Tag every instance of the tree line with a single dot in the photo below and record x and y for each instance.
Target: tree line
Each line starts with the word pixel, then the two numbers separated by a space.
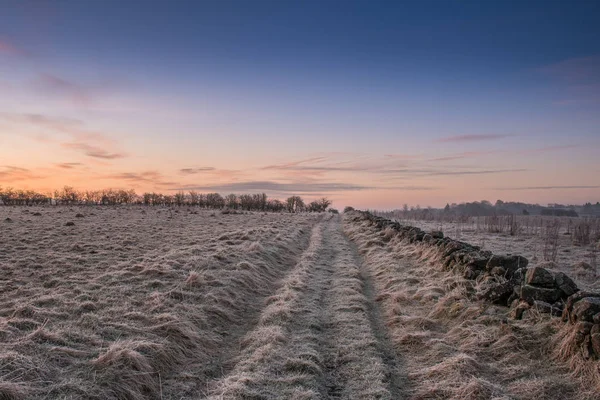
pixel 249 202
pixel 485 208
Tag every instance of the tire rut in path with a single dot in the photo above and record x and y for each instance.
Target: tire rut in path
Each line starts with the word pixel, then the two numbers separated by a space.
pixel 280 357
pixel 362 361
pixel 396 377
pixel 228 318
pixel 318 336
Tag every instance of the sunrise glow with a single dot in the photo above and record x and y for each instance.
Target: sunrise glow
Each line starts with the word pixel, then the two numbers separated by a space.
pixel 371 104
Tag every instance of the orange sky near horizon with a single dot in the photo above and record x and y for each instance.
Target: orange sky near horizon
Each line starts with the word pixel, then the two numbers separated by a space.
pixel 382 181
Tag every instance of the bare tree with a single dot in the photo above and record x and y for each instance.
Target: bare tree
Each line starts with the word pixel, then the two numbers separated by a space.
pixel 319 205
pixel 215 200
pixel 275 205
pixel 70 196
pixel 179 198
pixel 295 204
pixel 246 201
pixel 194 198
pixel 231 201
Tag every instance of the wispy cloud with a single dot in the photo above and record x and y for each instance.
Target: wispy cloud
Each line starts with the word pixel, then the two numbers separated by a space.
pixel 550 187
pixel 10 173
pixel 472 138
pixel 193 171
pixel 70 165
pixel 213 173
pixel 91 143
pixel 449 158
pixel 322 165
pixel 272 186
pixel 93 151
pixel 295 164
pixel 575 70
pixel 432 172
pixel 460 156
pixel 9 48
pixel 61 87
pixel 46 121
pixel 473 154
pixel 386 170
pixel 308 168
pixel 6 47
pixel 548 149
pixel 403 156
pixel 146 177
pixel 579 77
pixel 307 187
pixel 476 172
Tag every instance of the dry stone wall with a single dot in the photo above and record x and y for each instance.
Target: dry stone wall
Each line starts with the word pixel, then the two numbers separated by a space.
pixel 509 280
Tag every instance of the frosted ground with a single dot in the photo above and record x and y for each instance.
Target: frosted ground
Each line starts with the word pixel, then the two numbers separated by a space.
pixel 158 303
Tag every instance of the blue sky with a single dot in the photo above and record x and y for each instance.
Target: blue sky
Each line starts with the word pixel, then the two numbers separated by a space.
pixel 416 99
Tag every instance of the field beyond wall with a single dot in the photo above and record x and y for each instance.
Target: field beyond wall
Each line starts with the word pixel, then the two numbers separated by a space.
pixel 142 302
pixel 573 244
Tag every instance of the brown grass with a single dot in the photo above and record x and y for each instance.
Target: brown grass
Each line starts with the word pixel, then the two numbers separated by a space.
pixel 12 391
pixel 164 304
pixel 454 346
pixel 568 349
pixel 131 304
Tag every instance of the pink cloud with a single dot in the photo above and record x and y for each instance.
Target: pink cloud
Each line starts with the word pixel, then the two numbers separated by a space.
pixel 153 178
pixel 69 165
pixel 93 151
pixel 403 156
pixel 294 164
pixel 197 170
pixel 10 173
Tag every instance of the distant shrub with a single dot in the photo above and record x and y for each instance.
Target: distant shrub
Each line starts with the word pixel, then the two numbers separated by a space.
pixel 582 232
pixel 319 205
pixel 295 204
pixel 69 196
pixel 559 212
pixel 333 211
pixel 550 237
pixel 348 209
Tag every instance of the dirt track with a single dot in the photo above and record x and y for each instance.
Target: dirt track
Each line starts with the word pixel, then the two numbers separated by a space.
pixel 321 334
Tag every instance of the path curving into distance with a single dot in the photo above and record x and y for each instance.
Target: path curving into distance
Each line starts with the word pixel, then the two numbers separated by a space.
pixel 320 335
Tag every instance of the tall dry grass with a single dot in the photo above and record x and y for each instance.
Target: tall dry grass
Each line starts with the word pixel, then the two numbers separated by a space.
pixel 132 303
pixel 454 346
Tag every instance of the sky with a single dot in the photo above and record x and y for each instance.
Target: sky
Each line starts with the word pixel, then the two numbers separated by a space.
pixel 370 103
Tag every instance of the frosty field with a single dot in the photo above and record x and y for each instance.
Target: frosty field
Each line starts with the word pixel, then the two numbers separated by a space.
pixel 532 243
pixel 182 303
